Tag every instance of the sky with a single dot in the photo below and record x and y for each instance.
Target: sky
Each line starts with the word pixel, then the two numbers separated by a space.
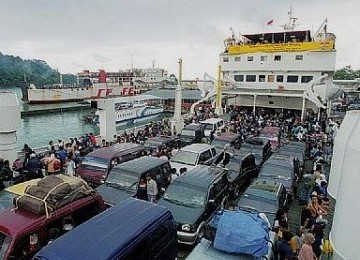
pixel 73 35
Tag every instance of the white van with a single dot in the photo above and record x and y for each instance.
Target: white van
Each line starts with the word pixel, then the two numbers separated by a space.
pixel 213 124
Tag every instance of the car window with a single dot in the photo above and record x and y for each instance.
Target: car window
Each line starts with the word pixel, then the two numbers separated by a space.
pixel 83 214
pixel 138 252
pixel 204 156
pixel 4 244
pixel 156 175
pixel 185 157
pixel 26 247
pixel 213 151
pixel 160 238
pixel 167 170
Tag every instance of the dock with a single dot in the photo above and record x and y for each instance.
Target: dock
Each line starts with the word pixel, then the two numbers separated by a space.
pixel 41 110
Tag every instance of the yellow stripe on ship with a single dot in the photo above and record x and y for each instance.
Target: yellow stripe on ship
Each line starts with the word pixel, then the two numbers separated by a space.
pixel 282 47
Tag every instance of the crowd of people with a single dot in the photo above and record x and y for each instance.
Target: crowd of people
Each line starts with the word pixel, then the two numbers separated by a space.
pixel 317 132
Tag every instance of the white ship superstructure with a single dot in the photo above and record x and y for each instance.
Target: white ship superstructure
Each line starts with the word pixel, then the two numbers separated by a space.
pixel 97 84
pixel 134 109
pixel 280 69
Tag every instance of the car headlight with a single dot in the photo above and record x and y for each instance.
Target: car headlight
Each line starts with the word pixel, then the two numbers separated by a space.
pixel 186 227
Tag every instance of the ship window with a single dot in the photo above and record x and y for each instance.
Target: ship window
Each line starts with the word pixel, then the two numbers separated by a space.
pixel 292 79
pixel 263 58
pixel 261 78
pixel 239 78
pixel 277 57
pixel 225 59
pixel 271 78
pixel 250 78
pixel 237 58
pixel 299 57
pixel 250 58
pixel 306 79
pixel 279 78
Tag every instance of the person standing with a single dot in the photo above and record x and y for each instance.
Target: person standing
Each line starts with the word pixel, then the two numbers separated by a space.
pixel 152 189
pixel 141 192
pixel 70 166
pixel 306 251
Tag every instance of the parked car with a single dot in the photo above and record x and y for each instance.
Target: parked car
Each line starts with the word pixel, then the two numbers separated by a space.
pixel 264 196
pixel 131 230
pixel 8 194
pixel 241 170
pixel 260 147
pixel 192 133
pixel 242 229
pixel 284 169
pixel 23 233
pixel 96 165
pixel 190 156
pixel 215 125
pixel 158 142
pixel 295 151
pixel 222 139
pixel 353 106
pixel 193 197
pixel 122 181
pixel 273 134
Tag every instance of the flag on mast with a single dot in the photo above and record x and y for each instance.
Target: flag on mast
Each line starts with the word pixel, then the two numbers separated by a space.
pixel 270 22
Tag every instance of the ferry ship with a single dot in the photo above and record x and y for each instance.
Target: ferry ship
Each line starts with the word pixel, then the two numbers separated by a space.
pixel 98 84
pixel 130 110
pixel 290 68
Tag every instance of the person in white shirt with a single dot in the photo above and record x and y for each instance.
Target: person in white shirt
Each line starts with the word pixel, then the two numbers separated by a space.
pixel 152 189
pixel 70 166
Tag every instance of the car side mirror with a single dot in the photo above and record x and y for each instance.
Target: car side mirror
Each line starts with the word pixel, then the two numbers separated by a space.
pixel 211 205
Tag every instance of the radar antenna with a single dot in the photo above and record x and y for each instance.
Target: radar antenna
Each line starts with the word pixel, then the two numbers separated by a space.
pixel 291 24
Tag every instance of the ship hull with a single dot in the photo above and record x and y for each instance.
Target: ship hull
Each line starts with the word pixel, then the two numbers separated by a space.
pixel 75 94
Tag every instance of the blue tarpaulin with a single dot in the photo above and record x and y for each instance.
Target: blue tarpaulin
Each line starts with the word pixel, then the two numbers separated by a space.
pixel 242 232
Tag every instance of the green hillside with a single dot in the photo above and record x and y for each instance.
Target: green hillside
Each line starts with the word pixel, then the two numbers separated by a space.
pixel 13 70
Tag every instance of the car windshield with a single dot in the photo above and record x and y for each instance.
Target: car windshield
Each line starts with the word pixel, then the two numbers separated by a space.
pixel 219 143
pixel 122 179
pixel 209 126
pixel 6 199
pixel 152 143
pixel 4 244
pixel 185 195
pixel 185 157
pixel 186 132
pixel 96 161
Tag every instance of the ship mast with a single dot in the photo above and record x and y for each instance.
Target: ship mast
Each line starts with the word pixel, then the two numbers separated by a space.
pixel 290 25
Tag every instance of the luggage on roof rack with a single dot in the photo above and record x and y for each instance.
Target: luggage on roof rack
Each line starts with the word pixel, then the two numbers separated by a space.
pixel 51 193
pixel 239 232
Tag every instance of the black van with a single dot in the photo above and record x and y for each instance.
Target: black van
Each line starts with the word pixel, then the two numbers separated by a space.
pixel 260 147
pixel 131 230
pixel 122 181
pixel 191 134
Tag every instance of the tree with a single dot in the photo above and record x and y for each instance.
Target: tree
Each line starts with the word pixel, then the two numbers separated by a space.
pixel 347 73
pixel 13 70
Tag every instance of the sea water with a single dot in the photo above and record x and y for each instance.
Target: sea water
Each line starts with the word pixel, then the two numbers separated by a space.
pixel 38 130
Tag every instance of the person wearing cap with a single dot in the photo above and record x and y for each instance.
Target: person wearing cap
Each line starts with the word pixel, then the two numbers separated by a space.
pixel 152 189
pixel 34 166
pixel 306 250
